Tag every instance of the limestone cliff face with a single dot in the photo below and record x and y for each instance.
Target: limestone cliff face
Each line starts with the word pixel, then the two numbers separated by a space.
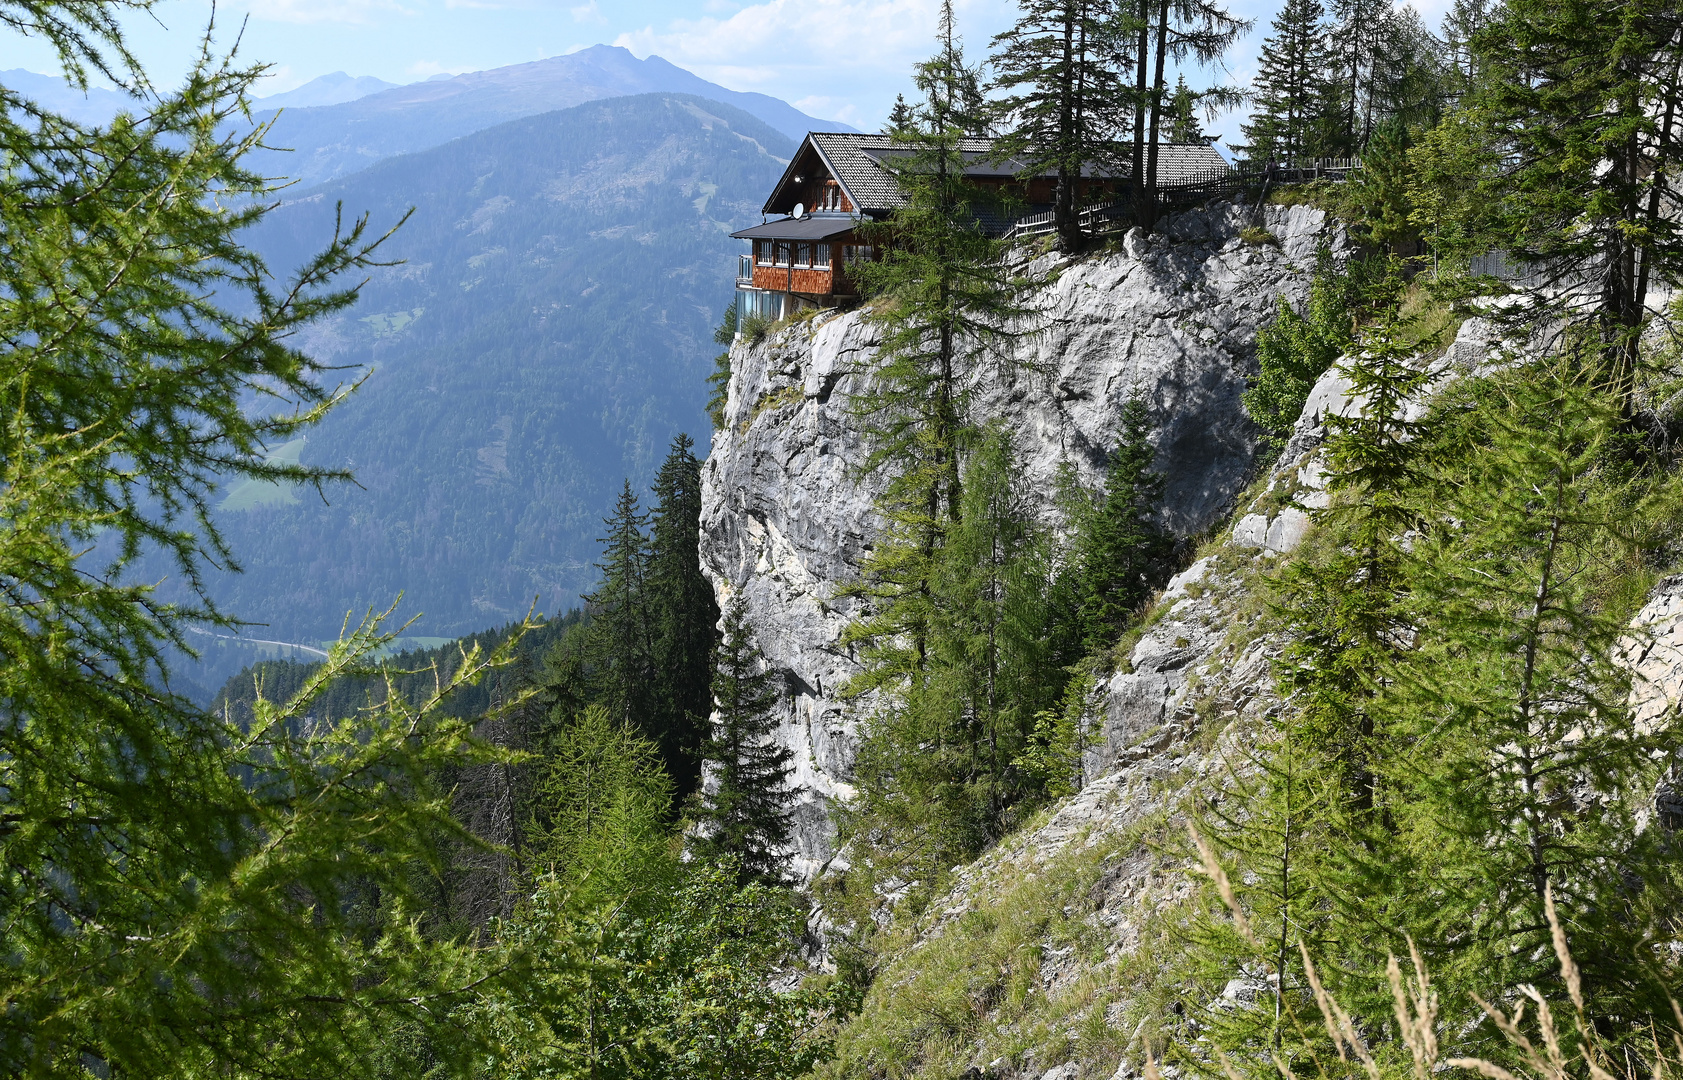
pixel 786 520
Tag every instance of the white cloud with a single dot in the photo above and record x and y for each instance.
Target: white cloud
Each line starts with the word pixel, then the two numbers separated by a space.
pixel 354 12
pixel 588 13
pixel 852 53
pixel 278 80
pixel 830 108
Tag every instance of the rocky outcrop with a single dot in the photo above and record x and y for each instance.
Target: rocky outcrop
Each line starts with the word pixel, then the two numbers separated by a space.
pixel 787 519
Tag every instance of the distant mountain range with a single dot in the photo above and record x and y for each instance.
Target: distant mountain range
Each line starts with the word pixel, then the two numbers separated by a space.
pixel 548 335
pixel 336 140
pixel 338 124
pixel 334 89
pixel 51 92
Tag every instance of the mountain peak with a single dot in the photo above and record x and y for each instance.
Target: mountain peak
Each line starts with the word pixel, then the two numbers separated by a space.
pixel 335 88
pixel 336 139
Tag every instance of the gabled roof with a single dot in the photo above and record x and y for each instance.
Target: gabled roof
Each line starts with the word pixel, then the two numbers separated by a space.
pixel 857 162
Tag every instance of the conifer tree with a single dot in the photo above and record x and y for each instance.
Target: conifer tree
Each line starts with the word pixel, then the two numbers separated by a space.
pixel 1314 824
pixel 1520 767
pixel 1456 710
pixel 1123 549
pixel 719 381
pixel 1200 30
pixel 683 616
pixel 1270 828
pixel 1345 608
pixel 183 894
pixel 1065 101
pixel 1465 19
pixel 1359 61
pixel 620 643
pixel 954 308
pixel 746 816
pixel 937 770
pixel 900 116
pixel 1580 105
pixel 1288 89
pixel 603 796
pixel 1183 114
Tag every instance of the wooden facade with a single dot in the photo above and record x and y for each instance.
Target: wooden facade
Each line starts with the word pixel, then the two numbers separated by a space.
pixel 815 270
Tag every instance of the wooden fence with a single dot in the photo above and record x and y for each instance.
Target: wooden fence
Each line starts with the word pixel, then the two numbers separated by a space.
pixel 1216 182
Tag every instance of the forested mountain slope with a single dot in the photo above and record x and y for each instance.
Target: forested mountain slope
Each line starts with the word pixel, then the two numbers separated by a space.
pixel 329 141
pixel 547 335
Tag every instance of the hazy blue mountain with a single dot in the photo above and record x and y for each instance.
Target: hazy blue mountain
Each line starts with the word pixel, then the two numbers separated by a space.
pixel 334 89
pixel 95 106
pixel 335 140
pixel 549 334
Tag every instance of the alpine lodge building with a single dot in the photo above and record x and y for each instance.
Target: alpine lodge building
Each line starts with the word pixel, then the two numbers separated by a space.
pixel 800 256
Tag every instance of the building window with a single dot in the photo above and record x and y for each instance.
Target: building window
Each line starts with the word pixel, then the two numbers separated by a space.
pixel 782 257
pixel 759 304
pixel 803 255
pixel 821 256
pixel 763 252
pixel 860 253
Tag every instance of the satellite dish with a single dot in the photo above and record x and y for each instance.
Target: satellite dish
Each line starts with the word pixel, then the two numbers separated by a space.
pixel 800 208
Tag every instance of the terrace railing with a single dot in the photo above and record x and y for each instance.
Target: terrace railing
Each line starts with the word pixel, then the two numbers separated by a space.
pixel 1215 182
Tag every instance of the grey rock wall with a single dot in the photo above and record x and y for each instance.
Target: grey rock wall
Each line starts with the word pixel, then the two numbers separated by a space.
pixel 787 520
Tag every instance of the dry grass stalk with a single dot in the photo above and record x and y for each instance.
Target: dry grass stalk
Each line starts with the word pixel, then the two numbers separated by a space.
pixel 1417 1012
pixel 1416 1008
pixel 1212 867
pixel 1568 966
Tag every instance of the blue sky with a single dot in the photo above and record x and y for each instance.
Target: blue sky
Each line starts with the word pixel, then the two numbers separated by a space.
pixel 838 59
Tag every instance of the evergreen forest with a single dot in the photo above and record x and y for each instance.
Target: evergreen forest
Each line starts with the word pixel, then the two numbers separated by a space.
pixel 565 848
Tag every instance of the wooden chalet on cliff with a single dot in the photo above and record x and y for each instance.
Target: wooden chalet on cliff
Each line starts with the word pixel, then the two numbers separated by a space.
pixel 836 180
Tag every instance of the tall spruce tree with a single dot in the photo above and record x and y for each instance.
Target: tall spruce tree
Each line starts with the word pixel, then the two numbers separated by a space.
pixel 938 772
pixel 1345 607
pixel 1357 51
pixel 620 638
pixel 1065 103
pixel 1463 22
pixel 1123 548
pixel 747 814
pixel 1197 30
pixel 680 606
pixel 1289 86
pixel 1580 107
pixel 953 310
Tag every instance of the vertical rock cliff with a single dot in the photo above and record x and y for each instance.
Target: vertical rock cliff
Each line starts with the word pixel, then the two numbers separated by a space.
pixel 787 519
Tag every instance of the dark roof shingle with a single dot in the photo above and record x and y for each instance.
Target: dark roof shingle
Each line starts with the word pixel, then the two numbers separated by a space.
pixel 855 160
